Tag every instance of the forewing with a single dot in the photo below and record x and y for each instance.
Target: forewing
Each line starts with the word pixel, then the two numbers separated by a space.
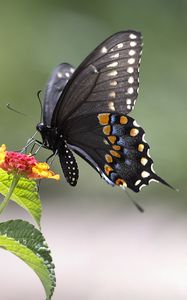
pixel 114 145
pixel 55 85
pixel 107 80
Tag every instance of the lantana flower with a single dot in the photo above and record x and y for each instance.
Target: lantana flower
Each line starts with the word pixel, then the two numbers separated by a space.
pixel 21 165
pixel 24 165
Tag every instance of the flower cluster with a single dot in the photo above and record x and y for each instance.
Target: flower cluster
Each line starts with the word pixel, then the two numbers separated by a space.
pixel 24 165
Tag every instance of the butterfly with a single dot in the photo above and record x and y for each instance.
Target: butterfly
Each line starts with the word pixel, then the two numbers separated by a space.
pixel 85 111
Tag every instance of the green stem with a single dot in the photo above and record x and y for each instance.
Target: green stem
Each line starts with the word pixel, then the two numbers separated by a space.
pixel 9 194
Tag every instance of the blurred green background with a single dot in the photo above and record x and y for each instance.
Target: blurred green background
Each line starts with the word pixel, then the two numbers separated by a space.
pixel 38 35
pixel 35 36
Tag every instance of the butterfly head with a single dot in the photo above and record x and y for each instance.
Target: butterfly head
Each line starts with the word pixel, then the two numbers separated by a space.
pixel 49 135
pixel 43 130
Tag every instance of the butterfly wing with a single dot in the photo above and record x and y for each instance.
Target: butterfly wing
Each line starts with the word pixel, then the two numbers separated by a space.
pixel 107 80
pixel 114 145
pixel 55 85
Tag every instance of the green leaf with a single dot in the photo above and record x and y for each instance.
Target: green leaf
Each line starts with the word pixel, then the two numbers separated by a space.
pixel 25 241
pixel 25 194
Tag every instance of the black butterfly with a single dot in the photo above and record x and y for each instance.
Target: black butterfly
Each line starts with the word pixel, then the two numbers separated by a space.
pixel 86 110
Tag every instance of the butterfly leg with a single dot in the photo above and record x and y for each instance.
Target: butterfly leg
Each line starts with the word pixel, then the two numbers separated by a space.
pixel 53 156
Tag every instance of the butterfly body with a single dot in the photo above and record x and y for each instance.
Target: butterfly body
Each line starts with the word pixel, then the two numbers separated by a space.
pixel 86 111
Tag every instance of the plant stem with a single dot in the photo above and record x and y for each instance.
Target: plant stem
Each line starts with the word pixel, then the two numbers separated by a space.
pixel 9 194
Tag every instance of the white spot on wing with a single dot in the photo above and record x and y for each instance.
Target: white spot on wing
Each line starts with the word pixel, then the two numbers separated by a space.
pixel 67 74
pixel 132 36
pixel 130 90
pixel 59 75
pixel 144 161
pixel 130 70
pixel 145 174
pixel 128 101
pixel 137 182
pixel 129 107
pixel 113 73
pixel 94 68
pixel 116 55
pixel 133 44
pixel 120 45
pixel 104 50
pixel 114 64
pixel 113 83
pixel 111 105
pixel 112 94
pixel 72 70
pixel 131 61
pixel 132 52
pixel 131 79
pixel 105 141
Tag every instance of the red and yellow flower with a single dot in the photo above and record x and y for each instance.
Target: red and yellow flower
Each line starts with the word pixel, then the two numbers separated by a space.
pixel 24 165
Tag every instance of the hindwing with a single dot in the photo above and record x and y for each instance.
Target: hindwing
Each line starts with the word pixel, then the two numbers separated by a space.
pixel 115 146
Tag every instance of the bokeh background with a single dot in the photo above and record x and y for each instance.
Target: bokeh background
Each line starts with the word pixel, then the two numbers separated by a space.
pixel 103 248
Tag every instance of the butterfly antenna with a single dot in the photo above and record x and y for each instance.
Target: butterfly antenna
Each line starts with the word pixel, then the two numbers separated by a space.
pixel 135 203
pixel 41 107
pixel 15 110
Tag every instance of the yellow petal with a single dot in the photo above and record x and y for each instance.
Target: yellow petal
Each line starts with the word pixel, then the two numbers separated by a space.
pixel 2 153
pixel 3 148
pixel 41 170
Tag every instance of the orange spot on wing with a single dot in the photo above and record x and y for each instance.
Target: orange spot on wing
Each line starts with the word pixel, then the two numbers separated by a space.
pixel 108 169
pixel 116 147
pixel 123 120
pixel 115 153
pixel 134 132
pixel 107 129
pixel 112 138
pixel 103 119
pixel 120 181
pixel 140 147
pixel 108 158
